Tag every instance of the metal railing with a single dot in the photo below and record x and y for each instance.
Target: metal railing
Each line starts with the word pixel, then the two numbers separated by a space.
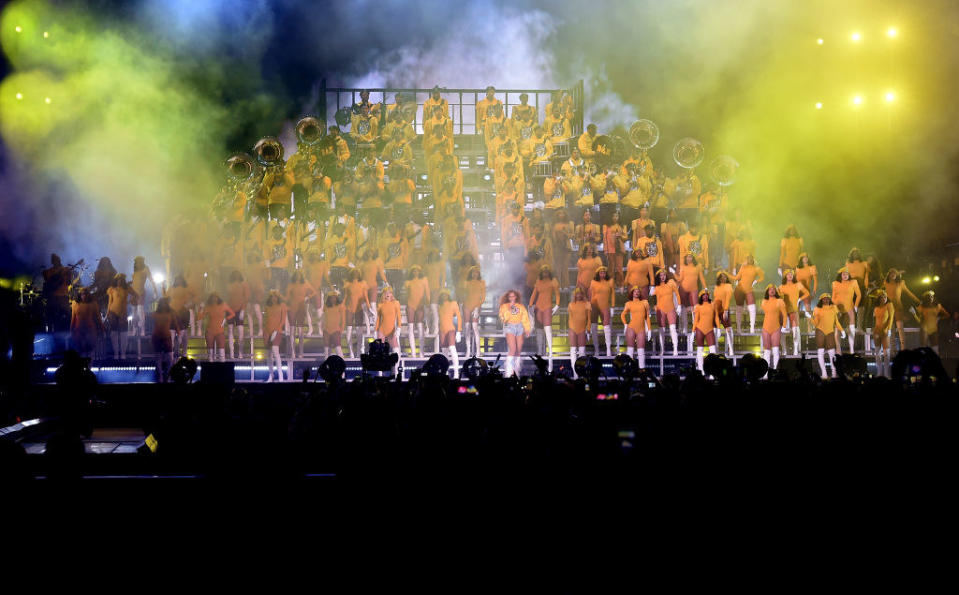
pixel 462 103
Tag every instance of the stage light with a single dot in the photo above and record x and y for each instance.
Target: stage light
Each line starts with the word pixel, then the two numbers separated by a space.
pixel 46 34
pixel 818 105
pixel 820 41
pixel 18 29
pixel 892 32
pixel 926 280
pixel 46 100
pixel 936 278
pixel 890 96
pixel 158 278
pixel 19 95
pixel 856 37
pixel 857 100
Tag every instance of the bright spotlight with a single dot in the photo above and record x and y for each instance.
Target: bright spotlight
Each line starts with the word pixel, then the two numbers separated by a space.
pixel 18 29
pixel 936 278
pixel 46 100
pixel 46 34
pixel 158 278
pixel 926 280
pixel 856 36
pixel 890 96
pixel 818 105
pixel 820 41
pixel 892 32
pixel 19 95
pixel 857 100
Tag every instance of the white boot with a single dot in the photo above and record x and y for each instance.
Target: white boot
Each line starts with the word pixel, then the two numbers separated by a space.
pixel 751 308
pixel 349 340
pixel 231 344
pixel 797 341
pixel 852 338
pixel 275 352
pixel 608 335
pixel 435 327
pixel 456 362
pixel 540 340
pixel 662 342
pixel 775 363
pixel 629 351
pixel 821 356
pixel 594 331
pixel 729 341
pixel 476 340
pixel 419 329
pixel 641 356
pixel 239 346
pixel 832 361
pixel 468 339
pixel 509 366
pixel 690 342
pixel 548 332
pixel 210 355
pixel 699 359
pixel 309 323
pixel 412 341
pixel 867 340
pixel 221 354
pixel 518 365
pixel 573 354
pixel 767 355
pixel 675 337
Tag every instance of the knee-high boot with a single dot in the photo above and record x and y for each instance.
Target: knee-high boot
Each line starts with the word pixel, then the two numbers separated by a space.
pixel 230 342
pixel 852 339
pixel 832 361
pixel 729 341
pixel 275 352
pixel 349 340
pixel 641 356
pixel 435 326
pixel 594 330
pixel 675 337
pixel 573 354
pixel 412 341
pixel 548 333
pixel 699 358
pixel 455 359
pixel 751 308
pixel 608 335
pixel 797 340
pixel 662 342
pixel 821 356
pixel 775 361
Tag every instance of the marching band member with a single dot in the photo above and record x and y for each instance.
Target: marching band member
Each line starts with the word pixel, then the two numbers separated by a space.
pixel 638 227
pixel 279 256
pixel 638 327
pixel 634 186
pixel 277 324
pixel 895 286
pixel 826 322
pixel 164 319
pixel 485 108
pixel 690 280
pixel 585 143
pixel 562 236
pixel 608 197
pixel 334 320
pixel 746 277
pixel 790 248
pixel 543 303
pixel 808 277
pixel 742 247
pixel 723 293
pixel 494 125
pixel 355 298
pixel 338 146
pixel 516 326
pixel 237 298
pixel 450 334
pixel 671 230
pixel 141 274
pixel 117 299
pixel 397 151
pixel 435 270
pixel 434 101
pixel 557 125
pixel 588 232
pixel 602 299
pixel 930 312
pixel 883 315
pixel 793 293
pixel 523 118
pixel 587 265
pixel 475 296
pixel 774 318
pixel 363 126
pixel 614 235
pixel 417 289
pixel 298 294
pixel 846 295
pixel 389 322
pixel 705 321
pixel 563 101
pixel 651 246
pixel 667 305
pixel 373 271
pixel 317 272
pixel 696 243
pixel 214 312
pixel 538 148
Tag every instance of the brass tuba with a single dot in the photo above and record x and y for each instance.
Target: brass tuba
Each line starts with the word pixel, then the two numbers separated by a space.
pixel 644 134
pixel 723 170
pixel 309 130
pixel 240 168
pixel 268 151
pixel 688 153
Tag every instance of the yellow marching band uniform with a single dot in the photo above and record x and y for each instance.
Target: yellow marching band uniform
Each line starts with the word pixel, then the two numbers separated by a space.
pixel 357 225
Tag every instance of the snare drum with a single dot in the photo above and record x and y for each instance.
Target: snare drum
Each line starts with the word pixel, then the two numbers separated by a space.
pixel 561 150
pixel 542 169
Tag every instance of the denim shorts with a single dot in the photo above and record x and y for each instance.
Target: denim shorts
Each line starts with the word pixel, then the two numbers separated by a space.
pixel 513 329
